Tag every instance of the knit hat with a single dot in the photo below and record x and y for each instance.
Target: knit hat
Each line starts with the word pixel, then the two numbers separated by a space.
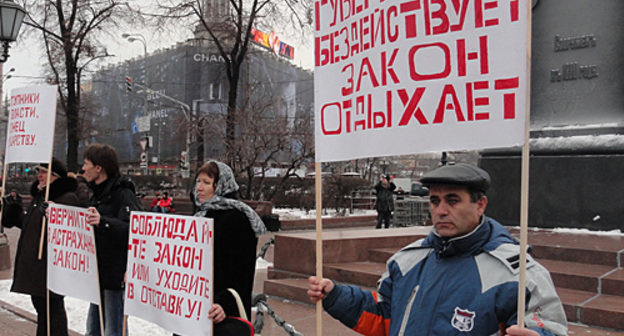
pixel 58 167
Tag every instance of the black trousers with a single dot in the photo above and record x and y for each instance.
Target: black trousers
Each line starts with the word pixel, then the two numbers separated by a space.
pixel 385 217
pixel 58 316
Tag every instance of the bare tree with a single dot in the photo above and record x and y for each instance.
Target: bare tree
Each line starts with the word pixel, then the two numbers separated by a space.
pixel 71 31
pixel 227 24
pixel 264 139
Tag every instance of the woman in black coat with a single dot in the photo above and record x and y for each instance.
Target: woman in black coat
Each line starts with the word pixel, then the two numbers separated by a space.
pixel 29 273
pixel 236 231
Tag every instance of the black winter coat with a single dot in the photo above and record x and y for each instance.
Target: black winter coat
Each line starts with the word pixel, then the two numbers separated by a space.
pixel 385 200
pixel 29 273
pixel 114 199
pixel 234 259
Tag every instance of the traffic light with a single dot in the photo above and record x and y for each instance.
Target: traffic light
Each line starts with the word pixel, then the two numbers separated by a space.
pixel 183 160
pixel 128 83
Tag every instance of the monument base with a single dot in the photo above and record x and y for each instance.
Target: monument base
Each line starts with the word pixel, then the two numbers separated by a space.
pixel 567 191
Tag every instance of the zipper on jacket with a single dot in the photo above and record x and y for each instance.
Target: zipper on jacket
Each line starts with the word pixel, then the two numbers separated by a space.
pixel 408 309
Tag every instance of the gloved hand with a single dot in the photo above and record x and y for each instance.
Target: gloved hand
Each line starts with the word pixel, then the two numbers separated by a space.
pixel 43 208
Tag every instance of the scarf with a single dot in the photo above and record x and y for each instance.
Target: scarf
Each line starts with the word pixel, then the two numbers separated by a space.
pixel 227 185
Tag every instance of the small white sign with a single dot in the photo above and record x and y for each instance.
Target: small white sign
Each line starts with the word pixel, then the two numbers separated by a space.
pixel 143 124
pixel 169 273
pixel 30 128
pixel 72 260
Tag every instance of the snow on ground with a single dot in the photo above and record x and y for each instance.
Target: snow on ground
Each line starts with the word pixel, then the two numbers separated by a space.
pixel 77 313
pixel 586 231
pixel 77 310
pixel 289 213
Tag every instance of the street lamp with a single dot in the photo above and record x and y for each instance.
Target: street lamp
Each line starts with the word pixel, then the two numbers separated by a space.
pixel 132 37
pixel 11 17
pixel 7 75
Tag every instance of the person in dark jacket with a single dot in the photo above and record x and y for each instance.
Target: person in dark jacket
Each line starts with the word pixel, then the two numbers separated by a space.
pixel 14 198
pixel 385 202
pixel 236 230
pixel 109 212
pixel 29 273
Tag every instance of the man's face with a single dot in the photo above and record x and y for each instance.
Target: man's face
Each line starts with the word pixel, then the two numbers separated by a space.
pixel 91 172
pixel 452 212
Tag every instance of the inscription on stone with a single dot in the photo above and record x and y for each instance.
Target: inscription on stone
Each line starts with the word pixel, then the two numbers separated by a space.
pixel 573 70
pixel 575 42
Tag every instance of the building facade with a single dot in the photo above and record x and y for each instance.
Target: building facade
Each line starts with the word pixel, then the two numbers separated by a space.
pixel 149 108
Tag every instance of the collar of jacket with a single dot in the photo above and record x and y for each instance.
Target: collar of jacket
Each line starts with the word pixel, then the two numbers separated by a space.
pixel 469 244
pixel 59 187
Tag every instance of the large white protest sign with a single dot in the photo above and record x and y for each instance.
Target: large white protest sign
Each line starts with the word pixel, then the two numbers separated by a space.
pixel 72 261
pixel 169 274
pixel 413 76
pixel 30 128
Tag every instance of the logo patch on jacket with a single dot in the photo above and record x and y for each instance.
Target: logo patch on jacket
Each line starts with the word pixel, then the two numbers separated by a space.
pixel 463 319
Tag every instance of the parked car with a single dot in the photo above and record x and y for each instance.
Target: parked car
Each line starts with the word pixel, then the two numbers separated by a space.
pixel 419 190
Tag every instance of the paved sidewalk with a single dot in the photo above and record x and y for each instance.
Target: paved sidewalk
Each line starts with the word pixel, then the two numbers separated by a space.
pixel 17 322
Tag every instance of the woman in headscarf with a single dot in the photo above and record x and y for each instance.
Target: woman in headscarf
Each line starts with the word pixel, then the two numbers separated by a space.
pixel 236 231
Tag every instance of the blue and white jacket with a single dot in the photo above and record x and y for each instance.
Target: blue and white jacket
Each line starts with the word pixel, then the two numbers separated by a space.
pixel 461 286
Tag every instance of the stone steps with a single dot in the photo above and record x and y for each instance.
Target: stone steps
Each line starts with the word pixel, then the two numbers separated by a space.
pixel 584 269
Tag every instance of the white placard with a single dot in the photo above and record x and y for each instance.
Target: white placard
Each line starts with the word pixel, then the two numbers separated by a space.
pixel 405 77
pixel 30 128
pixel 72 260
pixel 169 274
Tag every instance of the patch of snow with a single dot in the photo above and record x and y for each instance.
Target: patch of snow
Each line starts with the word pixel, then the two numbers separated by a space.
pixel 615 232
pixel 77 313
pixel 290 213
pixel 567 127
pixel 262 264
pixel 577 142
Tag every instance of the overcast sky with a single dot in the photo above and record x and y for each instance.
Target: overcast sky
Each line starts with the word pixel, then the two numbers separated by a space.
pixel 26 56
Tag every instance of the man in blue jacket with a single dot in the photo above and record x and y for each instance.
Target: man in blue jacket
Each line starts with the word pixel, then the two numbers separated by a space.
pixel 462 279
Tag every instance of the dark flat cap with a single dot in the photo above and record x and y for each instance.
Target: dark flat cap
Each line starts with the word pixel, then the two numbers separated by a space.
pixel 461 174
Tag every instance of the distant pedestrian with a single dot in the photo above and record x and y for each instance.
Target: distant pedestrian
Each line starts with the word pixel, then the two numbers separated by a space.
pixel 164 203
pixel 14 198
pixel 110 205
pixel 385 201
pixel 29 273
pixel 154 204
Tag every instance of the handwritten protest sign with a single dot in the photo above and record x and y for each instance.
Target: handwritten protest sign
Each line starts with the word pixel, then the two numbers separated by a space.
pixel 169 274
pixel 414 76
pixel 72 261
pixel 30 128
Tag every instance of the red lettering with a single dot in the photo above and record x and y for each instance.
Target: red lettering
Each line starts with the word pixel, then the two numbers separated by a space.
pixel 410 20
pixel 414 75
pixel 482 55
pixel 411 106
pixel 444 105
pixel 367 70
pixel 509 99
pixel 387 68
pixel 393 35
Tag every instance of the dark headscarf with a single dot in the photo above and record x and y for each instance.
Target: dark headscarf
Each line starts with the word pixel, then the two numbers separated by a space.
pixel 227 185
